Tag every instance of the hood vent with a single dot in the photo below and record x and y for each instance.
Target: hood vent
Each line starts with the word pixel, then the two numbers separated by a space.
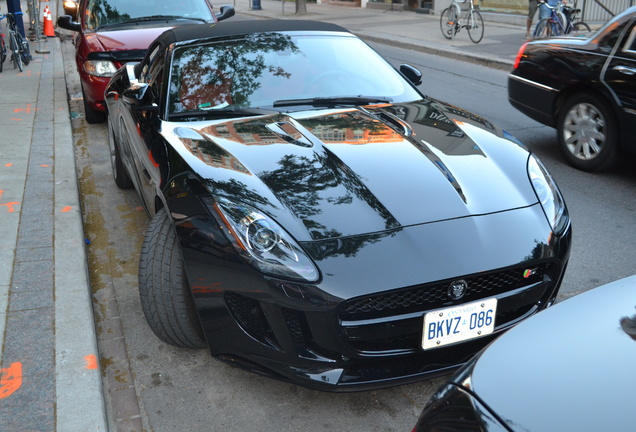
pixel 289 133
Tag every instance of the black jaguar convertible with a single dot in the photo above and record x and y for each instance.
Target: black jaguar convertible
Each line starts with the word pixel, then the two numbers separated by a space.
pixel 317 219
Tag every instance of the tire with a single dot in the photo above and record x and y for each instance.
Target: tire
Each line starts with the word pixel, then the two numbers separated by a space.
pixel 165 296
pixel 448 22
pixel 15 55
pixel 91 115
pixel 25 51
pixel 580 27
pixel 559 28
pixel 587 133
pixel 122 179
pixel 475 26
pixel 541 30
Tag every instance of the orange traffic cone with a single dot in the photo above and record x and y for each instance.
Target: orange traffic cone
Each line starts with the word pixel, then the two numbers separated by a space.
pixel 48 23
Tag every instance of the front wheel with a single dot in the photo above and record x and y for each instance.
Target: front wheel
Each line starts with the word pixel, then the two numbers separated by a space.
pixel 541 30
pixel 15 53
pixel 448 22
pixel 23 47
pixel 165 296
pixel 475 27
pixel 92 115
pixel 587 133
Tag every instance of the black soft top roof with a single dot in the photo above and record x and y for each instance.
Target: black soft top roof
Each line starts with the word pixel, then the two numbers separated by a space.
pixel 237 28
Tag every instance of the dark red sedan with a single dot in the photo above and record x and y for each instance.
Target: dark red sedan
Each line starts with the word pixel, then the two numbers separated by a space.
pixel 110 33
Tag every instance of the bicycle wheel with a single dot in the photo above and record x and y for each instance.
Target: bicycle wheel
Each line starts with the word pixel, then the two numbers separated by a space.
pixel 475 26
pixel 558 24
pixel 580 27
pixel 23 46
pixel 15 53
pixel 448 22
pixel 541 30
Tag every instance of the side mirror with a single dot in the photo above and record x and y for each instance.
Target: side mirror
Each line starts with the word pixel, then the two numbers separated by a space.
pixel 136 97
pixel 226 12
pixel 411 73
pixel 66 22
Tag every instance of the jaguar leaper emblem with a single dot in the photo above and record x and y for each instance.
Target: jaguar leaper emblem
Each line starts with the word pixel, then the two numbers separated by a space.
pixel 457 289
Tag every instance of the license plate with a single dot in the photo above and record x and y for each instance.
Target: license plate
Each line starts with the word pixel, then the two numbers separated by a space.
pixel 459 323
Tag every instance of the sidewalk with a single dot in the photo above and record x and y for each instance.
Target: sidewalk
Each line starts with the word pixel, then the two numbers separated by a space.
pixel 49 375
pixel 49 363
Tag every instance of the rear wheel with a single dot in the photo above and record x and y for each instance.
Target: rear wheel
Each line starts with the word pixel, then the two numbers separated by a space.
pixel 580 27
pixel 475 26
pixel 587 133
pixel 165 296
pixel 448 22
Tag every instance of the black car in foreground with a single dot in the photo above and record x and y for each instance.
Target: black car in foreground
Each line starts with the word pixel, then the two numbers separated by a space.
pixel 569 368
pixel 315 218
pixel 585 87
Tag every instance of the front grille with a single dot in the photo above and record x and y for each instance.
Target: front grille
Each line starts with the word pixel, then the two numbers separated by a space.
pixel 435 295
pixel 395 330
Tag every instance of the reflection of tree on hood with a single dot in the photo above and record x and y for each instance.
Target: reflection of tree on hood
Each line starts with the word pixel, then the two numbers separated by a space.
pixel 227 73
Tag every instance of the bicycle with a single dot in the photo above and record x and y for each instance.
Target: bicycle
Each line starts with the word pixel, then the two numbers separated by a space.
pixel 18 45
pixel 451 22
pixel 574 25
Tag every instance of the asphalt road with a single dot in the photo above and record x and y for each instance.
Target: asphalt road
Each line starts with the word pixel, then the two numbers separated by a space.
pixel 176 390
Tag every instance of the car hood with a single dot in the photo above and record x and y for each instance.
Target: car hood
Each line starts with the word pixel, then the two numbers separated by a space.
pixel 124 40
pixel 571 367
pixel 344 172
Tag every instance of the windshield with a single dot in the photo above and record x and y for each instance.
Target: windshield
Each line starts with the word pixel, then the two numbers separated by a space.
pixel 262 70
pixel 101 13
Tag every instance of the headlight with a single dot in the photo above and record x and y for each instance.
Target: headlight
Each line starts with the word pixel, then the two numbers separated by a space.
pixel 264 244
pixel 549 195
pixel 100 68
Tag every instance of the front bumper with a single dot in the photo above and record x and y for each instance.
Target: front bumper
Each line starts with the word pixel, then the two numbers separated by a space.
pixel 361 326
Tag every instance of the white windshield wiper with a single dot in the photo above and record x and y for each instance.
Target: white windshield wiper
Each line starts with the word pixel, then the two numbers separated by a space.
pixel 332 101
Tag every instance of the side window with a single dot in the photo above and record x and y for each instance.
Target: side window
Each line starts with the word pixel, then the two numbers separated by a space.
pixel 630 45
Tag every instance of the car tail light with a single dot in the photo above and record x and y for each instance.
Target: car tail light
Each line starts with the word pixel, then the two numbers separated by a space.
pixel 519 55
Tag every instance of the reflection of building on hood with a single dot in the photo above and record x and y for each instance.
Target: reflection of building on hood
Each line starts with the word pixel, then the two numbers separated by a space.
pixel 629 326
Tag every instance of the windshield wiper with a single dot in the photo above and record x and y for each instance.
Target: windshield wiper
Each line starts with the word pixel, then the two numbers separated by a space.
pixel 222 113
pixel 332 101
pixel 151 18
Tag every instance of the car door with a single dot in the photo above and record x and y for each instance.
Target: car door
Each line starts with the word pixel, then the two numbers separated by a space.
pixel 142 129
pixel 620 71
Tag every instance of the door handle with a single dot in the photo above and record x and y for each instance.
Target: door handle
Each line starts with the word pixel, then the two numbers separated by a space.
pixel 625 70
